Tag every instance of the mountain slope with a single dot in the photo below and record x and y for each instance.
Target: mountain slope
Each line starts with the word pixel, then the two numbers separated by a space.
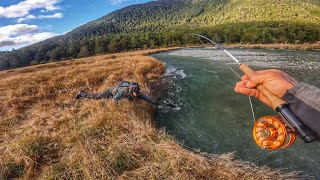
pixel 166 14
pixel 169 22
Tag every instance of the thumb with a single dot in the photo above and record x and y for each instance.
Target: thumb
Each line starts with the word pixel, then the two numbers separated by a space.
pixel 255 80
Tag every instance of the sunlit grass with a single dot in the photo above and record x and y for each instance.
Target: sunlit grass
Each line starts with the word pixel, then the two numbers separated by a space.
pixel 46 134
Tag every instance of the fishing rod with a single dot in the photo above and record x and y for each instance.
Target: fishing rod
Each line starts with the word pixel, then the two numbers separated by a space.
pixel 273 132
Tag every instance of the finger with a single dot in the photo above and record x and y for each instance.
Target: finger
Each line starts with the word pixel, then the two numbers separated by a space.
pixel 249 92
pixel 268 71
pixel 254 93
pixel 251 84
pixel 257 79
pixel 260 77
pixel 244 77
pixel 240 84
pixel 236 88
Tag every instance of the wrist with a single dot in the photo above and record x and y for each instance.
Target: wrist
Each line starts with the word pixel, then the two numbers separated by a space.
pixel 293 89
pixel 285 87
pixel 289 86
pixel 291 82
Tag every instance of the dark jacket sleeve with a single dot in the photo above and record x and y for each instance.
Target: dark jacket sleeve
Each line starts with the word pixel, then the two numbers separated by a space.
pixel 146 98
pixel 304 101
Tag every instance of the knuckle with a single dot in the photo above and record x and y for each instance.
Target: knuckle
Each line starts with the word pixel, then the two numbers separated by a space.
pixel 254 79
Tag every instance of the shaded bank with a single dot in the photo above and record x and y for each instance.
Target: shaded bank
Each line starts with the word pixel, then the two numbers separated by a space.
pixel 46 134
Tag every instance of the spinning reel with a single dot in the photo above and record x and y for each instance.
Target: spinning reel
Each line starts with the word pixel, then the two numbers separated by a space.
pixel 271 133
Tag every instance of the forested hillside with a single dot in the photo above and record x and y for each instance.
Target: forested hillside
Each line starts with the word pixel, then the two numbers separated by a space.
pixel 170 22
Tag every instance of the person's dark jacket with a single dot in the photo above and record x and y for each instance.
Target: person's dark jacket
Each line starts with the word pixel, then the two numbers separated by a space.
pixel 146 98
pixel 124 92
pixel 304 101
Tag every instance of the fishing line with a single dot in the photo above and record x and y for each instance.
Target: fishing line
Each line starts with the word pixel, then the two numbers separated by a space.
pixel 250 100
pixel 273 132
pixel 260 158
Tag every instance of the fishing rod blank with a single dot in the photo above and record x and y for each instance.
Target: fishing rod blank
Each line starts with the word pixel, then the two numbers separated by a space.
pixel 262 134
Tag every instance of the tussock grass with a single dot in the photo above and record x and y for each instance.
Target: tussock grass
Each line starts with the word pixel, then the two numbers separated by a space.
pixel 46 134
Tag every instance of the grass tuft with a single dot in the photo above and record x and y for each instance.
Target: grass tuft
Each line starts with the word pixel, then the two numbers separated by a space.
pixel 12 170
pixel 42 150
pixel 124 161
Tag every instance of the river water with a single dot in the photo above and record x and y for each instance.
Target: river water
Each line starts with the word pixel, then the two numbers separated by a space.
pixel 212 118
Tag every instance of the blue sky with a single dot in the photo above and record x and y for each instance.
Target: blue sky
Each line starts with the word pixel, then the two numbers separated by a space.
pixel 24 22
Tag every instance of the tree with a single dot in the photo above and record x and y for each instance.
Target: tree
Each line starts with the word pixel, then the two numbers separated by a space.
pixel 101 45
pixel 73 49
pixel 84 52
pixel 4 64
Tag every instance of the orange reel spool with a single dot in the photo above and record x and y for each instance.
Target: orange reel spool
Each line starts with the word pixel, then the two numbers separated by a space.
pixel 271 133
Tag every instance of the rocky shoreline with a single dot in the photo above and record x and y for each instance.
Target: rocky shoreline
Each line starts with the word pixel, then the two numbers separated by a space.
pixel 280 46
pixel 251 57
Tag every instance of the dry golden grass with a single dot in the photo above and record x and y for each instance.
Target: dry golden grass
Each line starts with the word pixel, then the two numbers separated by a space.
pixel 46 134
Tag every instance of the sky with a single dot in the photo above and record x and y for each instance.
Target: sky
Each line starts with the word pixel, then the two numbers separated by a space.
pixel 24 22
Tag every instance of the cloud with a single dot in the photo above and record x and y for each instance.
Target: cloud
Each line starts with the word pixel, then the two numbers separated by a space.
pixel 118 1
pixel 6 43
pixel 22 34
pixel 27 18
pixel 10 30
pixel 23 8
pixel 53 16
pixel 27 39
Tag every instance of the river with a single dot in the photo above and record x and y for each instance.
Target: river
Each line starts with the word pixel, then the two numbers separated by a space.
pixel 211 117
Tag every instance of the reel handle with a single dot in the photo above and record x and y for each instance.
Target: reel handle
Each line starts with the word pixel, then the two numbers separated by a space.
pixel 304 132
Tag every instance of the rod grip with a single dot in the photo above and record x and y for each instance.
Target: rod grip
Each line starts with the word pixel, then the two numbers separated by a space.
pixel 274 100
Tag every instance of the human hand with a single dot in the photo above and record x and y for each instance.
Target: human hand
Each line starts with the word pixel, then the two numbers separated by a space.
pixel 275 81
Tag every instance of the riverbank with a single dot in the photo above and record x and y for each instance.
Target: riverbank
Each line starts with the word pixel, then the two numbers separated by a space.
pixel 303 47
pixel 46 134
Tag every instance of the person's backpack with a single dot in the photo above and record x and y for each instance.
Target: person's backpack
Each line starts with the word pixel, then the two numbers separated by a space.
pixel 123 84
pixel 134 86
